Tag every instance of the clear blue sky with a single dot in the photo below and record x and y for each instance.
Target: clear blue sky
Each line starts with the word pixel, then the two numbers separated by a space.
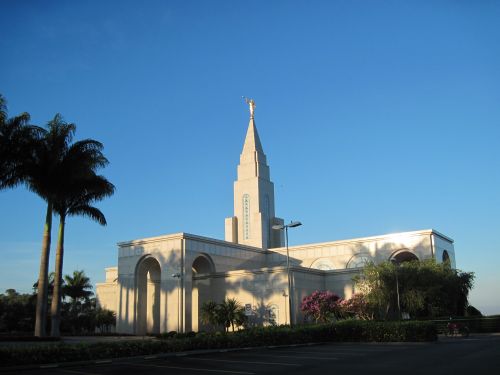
pixel 376 117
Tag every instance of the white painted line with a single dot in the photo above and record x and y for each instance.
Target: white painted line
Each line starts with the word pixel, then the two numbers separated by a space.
pixel 195 369
pixel 52 365
pixel 311 352
pixel 78 372
pixel 181 354
pixel 294 356
pixel 367 350
pixel 150 357
pixel 103 361
pixel 248 362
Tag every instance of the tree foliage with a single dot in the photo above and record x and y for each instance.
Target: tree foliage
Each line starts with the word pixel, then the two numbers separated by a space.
pixel 322 306
pixel 426 289
pixel 79 315
pixel 228 314
pixel 63 174
pixel 357 307
pixel 78 287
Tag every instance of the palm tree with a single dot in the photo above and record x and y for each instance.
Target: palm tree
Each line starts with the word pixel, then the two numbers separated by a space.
pixel 77 287
pixel 42 174
pixel 26 155
pixel 43 160
pixel 50 285
pixel 229 312
pixel 209 313
pixel 17 138
pixel 82 187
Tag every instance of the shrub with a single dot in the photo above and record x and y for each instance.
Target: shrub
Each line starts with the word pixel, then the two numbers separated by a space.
pixel 321 306
pixel 348 330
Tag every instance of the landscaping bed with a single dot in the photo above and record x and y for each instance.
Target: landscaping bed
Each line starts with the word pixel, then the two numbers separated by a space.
pixel 343 331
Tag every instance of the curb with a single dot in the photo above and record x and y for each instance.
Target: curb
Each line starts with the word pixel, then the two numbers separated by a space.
pixel 147 357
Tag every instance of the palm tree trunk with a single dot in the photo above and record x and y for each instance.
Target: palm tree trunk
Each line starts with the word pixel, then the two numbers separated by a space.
pixel 55 311
pixel 43 284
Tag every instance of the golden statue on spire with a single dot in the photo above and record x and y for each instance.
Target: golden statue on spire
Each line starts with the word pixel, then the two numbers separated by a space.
pixel 251 104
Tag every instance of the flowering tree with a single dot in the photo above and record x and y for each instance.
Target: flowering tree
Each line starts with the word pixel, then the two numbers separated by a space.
pixel 357 307
pixel 322 306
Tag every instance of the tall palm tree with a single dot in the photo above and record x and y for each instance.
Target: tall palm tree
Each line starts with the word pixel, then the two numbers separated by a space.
pixel 42 175
pixel 50 286
pixel 77 287
pixel 82 188
pixel 43 160
pixel 26 154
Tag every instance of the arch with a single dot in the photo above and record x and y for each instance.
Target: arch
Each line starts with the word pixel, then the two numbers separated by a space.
pixel 201 287
pixel 446 257
pixel 324 264
pixel 148 285
pixel 403 255
pixel 202 264
pixel 359 260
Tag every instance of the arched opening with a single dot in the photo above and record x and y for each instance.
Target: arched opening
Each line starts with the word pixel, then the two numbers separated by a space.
pixel 148 276
pixel 359 260
pixel 202 267
pixel 203 264
pixel 323 264
pixel 403 256
pixel 446 257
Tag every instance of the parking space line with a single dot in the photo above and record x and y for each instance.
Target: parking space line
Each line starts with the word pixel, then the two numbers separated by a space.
pixel 195 369
pixel 293 356
pixel 245 362
pixel 77 372
pixel 311 352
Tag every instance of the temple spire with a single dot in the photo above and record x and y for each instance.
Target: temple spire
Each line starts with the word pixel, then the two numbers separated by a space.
pixel 253 196
pixel 252 141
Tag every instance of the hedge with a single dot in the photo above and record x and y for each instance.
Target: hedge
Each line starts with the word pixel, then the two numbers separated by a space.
pixel 476 325
pixel 348 330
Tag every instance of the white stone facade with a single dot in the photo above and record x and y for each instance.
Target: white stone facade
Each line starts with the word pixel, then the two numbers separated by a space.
pixel 161 282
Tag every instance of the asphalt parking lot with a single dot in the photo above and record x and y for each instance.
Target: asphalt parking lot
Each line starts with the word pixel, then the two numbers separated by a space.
pixel 475 355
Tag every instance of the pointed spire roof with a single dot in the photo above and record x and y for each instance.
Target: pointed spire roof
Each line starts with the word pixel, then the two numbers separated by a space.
pixel 252 140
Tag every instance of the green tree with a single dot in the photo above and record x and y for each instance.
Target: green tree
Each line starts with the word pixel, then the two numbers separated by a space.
pixel 229 312
pixel 104 319
pixel 209 314
pixel 80 188
pixel 77 287
pixel 60 173
pixel 17 312
pixel 426 288
pixel 50 288
pixel 17 138
pixel 42 174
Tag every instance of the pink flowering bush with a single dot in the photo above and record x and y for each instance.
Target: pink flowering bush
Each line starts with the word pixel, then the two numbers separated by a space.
pixel 356 307
pixel 322 306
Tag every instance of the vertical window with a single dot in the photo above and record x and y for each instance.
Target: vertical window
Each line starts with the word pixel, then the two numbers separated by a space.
pixel 267 219
pixel 246 216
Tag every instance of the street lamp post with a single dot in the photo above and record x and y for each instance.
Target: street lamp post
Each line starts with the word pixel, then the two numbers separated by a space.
pixel 292 224
pixel 178 277
pixel 396 265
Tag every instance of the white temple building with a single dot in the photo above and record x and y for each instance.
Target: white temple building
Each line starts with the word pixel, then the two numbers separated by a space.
pixel 161 282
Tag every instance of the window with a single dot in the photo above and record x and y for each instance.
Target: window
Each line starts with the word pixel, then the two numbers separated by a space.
pixel 246 216
pixel 359 260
